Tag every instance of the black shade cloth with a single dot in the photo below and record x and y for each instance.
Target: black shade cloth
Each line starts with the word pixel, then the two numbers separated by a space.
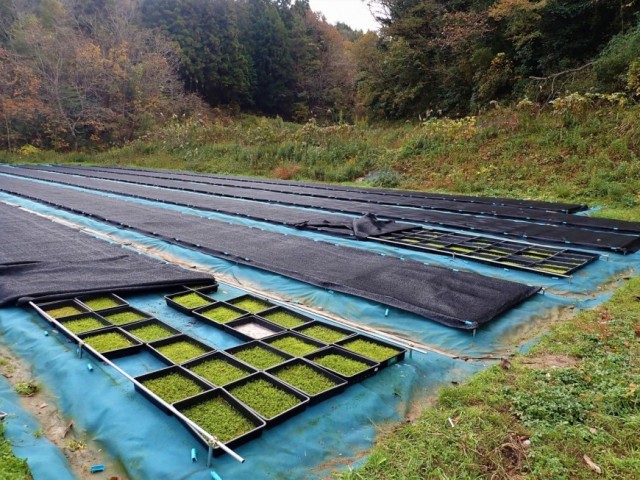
pixel 458 299
pixel 43 260
pixel 312 188
pixel 564 235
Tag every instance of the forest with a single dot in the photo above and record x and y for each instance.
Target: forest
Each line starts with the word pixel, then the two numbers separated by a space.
pixel 92 74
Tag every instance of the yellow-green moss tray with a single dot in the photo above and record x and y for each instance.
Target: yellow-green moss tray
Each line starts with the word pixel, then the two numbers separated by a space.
pixel 343 365
pixel 221 314
pixel 123 318
pixel 173 387
pixel 64 311
pixel 82 324
pixel 293 345
pixel 305 379
pixel 108 341
pixel 219 372
pixel 181 351
pixel 191 300
pixel 149 333
pixel 252 305
pixel 284 319
pixel 100 303
pixel 324 333
pixel 219 418
pixel 370 349
pixel 264 398
pixel 259 357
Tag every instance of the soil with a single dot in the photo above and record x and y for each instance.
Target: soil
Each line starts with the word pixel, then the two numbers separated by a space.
pixel 80 451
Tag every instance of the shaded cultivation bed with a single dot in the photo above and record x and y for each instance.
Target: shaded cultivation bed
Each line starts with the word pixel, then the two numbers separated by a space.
pixel 458 299
pixel 535 232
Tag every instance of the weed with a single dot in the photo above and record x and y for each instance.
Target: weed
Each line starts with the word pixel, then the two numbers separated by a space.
pixel 27 389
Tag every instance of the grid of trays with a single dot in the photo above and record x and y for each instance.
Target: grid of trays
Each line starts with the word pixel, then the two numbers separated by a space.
pixel 288 361
pixel 503 253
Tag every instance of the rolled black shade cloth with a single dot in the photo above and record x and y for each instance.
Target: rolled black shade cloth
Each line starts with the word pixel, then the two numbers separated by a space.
pixel 43 260
pixel 457 299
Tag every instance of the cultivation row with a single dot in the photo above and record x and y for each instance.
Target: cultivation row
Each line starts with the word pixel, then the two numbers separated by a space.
pixel 231 394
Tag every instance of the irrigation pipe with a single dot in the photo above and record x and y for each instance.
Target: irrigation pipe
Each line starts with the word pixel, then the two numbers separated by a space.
pixel 206 436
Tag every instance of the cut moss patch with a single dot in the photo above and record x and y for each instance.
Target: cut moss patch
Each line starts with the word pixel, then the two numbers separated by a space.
pixel 252 305
pixel 283 319
pixel 219 418
pixel 259 357
pixel 82 324
pixel 221 314
pixel 343 365
pixel 123 318
pixel 191 300
pixel 305 378
pixel 64 311
pixel 101 303
pixel 265 398
pixel 324 333
pixel 106 342
pixel 219 372
pixel 173 387
pixel 293 345
pixel 181 351
pixel 370 349
pixel 149 333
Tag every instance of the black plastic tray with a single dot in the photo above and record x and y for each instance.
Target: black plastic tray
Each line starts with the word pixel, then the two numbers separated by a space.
pixel 120 352
pixel 235 300
pixel 218 355
pixel 316 343
pixel 69 333
pixel 257 422
pixel 198 313
pixel 125 308
pixel 246 346
pixel 304 319
pixel 177 338
pixel 383 363
pixel 233 326
pixel 173 304
pixel 281 417
pixel 340 383
pixel 373 365
pixel 163 404
pixel 301 328
pixel 120 301
pixel 129 327
pixel 60 304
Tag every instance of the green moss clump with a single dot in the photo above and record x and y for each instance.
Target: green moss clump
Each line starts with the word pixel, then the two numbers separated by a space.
pixel 324 333
pixel 128 316
pixel 305 378
pixel 219 418
pixel 252 305
pixel 149 333
pixel 11 467
pixel 293 345
pixel 343 365
pixel 221 314
pixel 219 372
pixel 100 303
pixel 283 319
pixel 63 311
pixel 173 387
pixel 191 300
pixel 259 357
pixel 106 342
pixel 370 350
pixel 82 324
pixel 266 399
pixel 181 351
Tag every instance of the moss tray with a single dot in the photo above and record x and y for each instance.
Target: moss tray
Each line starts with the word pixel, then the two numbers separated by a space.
pixel 124 317
pixel 305 379
pixel 219 418
pixel 324 333
pixel 294 345
pixel 152 332
pixel 191 300
pixel 219 372
pixel 343 365
pixel 221 314
pixel 106 342
pixel 100 303
pixel 83 324
pixel 259 357
pixel 64 311
pixel 173 387
pixel 263 397
pixel 283 318
pixel 371 350
pixel 181 351
pixel 251 304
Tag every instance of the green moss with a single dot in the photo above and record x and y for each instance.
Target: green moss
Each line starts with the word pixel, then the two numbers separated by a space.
pixel 191 300
pixel 252 305
pixel 125 317
pixel 173 387
pixel 63 312
pixel 259 357
pixel 219 418
pixel 370 350
pixel 343 365
pixel 152 332
pixel 284 319
pixel 106 342
pixel 219 372
pixel 181 351
pixel 100 303
pixel 82 324
pixel 323 333
pixel 265 398
pixel 305 378
pixel 293 345
pixel 221 314
pixel 11 467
